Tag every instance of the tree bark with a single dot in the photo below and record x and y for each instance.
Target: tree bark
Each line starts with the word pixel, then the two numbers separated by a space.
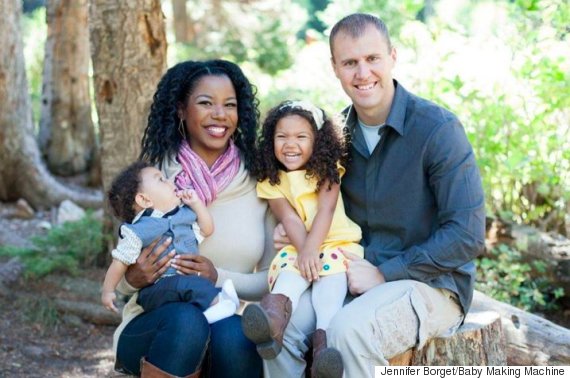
pixel 479 341
pixel 22 172
pixel 128 50
pixel 67 135
pixel 183 26
pixel 531 340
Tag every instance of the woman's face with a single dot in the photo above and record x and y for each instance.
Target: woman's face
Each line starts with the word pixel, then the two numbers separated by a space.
pixel 211 116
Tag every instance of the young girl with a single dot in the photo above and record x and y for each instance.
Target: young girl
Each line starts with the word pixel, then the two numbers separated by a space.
pixel 299 174
pixel 150 206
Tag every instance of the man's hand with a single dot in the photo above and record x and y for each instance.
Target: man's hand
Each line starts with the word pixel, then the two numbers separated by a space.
pixel 362 275
pixel 149 267
pixel 195 264
pixel 280 238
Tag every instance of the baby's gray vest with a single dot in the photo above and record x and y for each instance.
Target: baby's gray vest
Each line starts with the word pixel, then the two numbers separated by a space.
pixel 175 224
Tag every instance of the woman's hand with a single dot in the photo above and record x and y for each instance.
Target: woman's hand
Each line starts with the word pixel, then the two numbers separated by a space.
pixel 309 264
pixel 195 264
pixel 149 266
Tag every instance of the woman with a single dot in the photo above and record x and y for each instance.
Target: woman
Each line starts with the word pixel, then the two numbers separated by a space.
pixel 201 132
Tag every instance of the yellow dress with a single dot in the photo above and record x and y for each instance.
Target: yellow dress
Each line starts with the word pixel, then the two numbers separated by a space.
pixel 301 193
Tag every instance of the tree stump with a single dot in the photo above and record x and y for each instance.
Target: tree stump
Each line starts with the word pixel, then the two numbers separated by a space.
pixel 479 341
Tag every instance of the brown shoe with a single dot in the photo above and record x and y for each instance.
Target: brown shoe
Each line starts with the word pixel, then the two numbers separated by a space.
pixel 327 362
pixel 148 370
pixel 265 323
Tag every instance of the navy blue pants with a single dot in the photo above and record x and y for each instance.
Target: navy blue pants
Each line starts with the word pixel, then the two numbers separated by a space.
pixel 192 289
pixel 176 338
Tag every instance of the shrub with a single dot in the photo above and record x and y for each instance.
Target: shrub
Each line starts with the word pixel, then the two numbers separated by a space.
pixel 64 248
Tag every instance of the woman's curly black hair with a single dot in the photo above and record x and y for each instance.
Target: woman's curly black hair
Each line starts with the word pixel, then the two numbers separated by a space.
pixel 124 189
pixel 162 138
pixel 328 150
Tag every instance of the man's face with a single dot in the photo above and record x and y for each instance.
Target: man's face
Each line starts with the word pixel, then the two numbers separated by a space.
pixel 364 67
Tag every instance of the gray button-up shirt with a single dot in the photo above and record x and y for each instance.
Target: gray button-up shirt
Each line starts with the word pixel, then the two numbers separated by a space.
pixel 418 196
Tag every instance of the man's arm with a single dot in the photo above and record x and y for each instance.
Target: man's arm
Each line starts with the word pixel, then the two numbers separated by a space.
pixel 455 182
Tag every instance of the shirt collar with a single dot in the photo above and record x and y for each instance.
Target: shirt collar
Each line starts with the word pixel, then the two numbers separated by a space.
pixel 153 213
pixel 397 116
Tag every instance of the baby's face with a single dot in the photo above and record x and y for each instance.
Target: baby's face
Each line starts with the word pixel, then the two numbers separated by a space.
pixel 160 191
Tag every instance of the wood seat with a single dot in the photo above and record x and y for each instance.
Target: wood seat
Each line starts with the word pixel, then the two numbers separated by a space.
pixel 479 341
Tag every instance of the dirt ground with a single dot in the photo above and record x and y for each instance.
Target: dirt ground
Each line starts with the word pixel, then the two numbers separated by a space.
pixel 34 344
pixel 35 341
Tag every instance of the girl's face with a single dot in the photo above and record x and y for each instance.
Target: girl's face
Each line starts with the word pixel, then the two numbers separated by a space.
pixel 293 142
pixel 211 117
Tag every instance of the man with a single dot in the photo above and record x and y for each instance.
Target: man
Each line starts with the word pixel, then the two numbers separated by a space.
pixel 414 188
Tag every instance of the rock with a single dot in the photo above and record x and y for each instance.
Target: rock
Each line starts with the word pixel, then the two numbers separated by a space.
pixel 10 271
pixel 98 215
pixel 23 210
pixel 69 212
pixel 34 351
pixel 44 225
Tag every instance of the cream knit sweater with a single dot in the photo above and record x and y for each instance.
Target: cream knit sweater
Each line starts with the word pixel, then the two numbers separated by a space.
pixel 240 248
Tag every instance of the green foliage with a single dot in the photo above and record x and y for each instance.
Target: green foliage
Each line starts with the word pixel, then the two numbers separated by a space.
pixel 520 126
pixel 248 32
pixel 34 34
pixel 395 13
pixel 505 277
pixel 271 53
pixel 64 248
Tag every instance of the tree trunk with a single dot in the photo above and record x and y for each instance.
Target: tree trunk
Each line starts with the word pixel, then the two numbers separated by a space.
pixel 531 340
pixel 183 26
pixel 129 55
pixel 479 341
pixel 22 172
pixel 67 135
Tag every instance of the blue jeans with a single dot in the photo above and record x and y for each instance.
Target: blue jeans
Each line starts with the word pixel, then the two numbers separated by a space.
pixel 175 338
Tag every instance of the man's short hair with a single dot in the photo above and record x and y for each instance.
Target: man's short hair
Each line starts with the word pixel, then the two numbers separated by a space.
pixel 355 24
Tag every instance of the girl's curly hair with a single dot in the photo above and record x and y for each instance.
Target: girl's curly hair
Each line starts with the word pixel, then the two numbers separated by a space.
pixel 161 137
pixel 124 189
pixel 329 148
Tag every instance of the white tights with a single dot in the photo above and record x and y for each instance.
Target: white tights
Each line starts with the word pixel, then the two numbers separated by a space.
pixel 327 295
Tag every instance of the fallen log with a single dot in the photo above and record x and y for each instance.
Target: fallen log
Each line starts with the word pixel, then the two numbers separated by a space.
pixel 479 341
pixel 94 313
pixel 533 244
pixel 530 339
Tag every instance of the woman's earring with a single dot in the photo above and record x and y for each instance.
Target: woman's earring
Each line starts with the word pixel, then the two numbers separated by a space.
pixel 181 129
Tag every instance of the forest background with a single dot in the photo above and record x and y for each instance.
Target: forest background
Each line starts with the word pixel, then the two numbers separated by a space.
pixel 74 117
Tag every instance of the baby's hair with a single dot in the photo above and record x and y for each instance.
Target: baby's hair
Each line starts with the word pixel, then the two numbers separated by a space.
pixel 328 150
pixel 124 189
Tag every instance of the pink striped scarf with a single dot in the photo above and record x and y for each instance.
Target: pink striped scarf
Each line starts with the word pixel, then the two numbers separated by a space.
pixel 205 181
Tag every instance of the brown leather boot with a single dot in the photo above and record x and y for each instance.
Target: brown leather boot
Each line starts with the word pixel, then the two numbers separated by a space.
pixel 148 370
pixel 264 323
pixel 327 362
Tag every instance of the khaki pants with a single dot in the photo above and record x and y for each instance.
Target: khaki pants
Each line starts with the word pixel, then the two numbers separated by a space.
pixel 371 328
